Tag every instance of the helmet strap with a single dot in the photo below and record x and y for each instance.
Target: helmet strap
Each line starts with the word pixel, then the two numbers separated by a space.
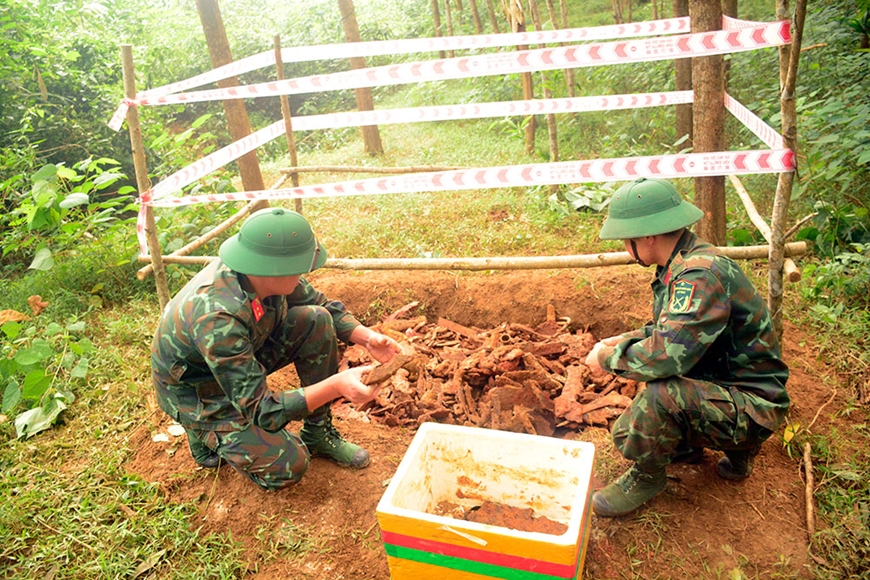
pixel 636 255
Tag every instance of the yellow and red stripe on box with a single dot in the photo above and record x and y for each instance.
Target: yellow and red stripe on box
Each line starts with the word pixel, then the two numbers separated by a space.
pixel 416 555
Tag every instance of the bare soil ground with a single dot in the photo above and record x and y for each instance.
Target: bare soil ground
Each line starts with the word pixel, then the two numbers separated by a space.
pixel 326 527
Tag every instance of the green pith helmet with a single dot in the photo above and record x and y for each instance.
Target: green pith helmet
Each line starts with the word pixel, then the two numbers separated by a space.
pixel 273 242
pixel 647 207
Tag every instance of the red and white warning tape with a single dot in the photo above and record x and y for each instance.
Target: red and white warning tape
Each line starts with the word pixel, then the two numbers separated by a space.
pixel 410 46
pixel 647 49
pixel 586 171
pixel 761 129
pixel 222 157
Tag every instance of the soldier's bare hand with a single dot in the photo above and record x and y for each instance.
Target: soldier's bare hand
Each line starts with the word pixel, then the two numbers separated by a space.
pixel 382 347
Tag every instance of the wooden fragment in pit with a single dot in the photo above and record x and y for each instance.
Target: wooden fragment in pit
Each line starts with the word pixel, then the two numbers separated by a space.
pixel 383 372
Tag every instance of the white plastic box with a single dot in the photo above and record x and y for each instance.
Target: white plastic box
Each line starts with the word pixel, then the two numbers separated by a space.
pixel 466 466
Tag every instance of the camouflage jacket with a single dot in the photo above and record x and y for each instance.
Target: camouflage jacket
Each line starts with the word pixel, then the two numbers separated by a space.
pixel 204 354
pixel 709 324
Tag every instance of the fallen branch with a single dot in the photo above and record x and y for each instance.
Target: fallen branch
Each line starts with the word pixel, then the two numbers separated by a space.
pixel 808 492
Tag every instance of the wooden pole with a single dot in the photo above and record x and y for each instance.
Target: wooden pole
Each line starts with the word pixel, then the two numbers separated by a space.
pixel 784 184
pixel 236 113
pixel 683 82
pixel 709 88
pixel 508 263
pixel 364 102
pixel 288 121
pixel 142 181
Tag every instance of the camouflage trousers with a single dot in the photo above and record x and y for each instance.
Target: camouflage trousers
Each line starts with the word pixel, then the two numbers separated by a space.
pixel 306 337
pixel 676 414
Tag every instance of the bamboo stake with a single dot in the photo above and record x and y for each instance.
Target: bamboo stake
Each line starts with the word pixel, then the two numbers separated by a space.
pixel 785 182
pixel 793 274
pixel 288 121
pixel 142 181
pixel 506 263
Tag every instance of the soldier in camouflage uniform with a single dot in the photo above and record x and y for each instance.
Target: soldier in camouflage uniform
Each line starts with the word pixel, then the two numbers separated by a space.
pixel 238 320
pixel 710 358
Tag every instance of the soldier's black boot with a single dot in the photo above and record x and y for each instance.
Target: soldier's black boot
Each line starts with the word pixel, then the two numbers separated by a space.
pixel 323 440
pixel 736 465
pixel 204 456
pixel 633 489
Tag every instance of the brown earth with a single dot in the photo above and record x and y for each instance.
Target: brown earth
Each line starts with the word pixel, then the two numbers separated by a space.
pixel 326 526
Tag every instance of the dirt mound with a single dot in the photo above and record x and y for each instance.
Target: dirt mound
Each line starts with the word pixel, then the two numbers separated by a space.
pixel 326 526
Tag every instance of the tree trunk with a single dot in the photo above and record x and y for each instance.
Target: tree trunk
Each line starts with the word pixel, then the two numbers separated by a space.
pixel 569 72
pixel 364 102
pixel 513 10
pixel 548 94
pixel 683 82
pixel 236 113
pixel 709 113
pixel 449 15
pixel 784 185
pixel 493 17
pixel 475 15
pixel 436 23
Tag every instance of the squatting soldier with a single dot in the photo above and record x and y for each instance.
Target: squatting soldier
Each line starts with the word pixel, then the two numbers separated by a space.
pixel 238 320
pixel 710 357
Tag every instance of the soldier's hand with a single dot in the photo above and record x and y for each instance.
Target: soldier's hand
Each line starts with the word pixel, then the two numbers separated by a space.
pixel 350 386
pixel 592 359
pixel 382 347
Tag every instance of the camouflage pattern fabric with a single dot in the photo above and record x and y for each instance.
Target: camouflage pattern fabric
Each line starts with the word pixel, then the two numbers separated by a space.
pixel 710 358
pixel 210 357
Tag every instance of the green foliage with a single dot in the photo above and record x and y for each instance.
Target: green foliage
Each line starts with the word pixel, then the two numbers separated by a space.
pixel 39 365
pixel 63 207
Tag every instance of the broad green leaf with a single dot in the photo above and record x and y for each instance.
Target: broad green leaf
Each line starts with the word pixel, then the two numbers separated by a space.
pixel 11 329
pixel 75 199
pixel 80 371
pixel 38 419
pixel 53 328
pixel 39 350
pixel 78 326
pixel 35 385
pixel 11 396
pixel 45 173
pixel 42 261
pixel 66 173
pixel 81 347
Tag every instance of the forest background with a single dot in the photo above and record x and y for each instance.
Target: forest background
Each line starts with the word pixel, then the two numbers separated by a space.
pixel 67 234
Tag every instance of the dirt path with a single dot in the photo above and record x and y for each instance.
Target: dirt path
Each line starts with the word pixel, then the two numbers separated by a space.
pixel 326 526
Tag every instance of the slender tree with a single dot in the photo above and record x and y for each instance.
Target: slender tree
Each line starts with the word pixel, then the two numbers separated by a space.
pixel 364 102
pixel 709 87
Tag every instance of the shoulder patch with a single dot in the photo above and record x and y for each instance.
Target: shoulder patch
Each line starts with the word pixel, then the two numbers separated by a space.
pixel 681 297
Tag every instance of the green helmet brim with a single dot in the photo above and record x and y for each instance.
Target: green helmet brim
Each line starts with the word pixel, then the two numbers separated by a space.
pixel 273 242
pixel 245 261
pixel 647 207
